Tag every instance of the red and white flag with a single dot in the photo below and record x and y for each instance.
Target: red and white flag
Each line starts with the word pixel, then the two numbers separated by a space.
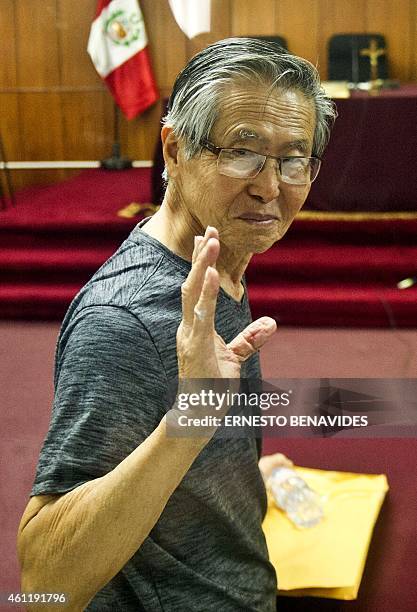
pixel 118 46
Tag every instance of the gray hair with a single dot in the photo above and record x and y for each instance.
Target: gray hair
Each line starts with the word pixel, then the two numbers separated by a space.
pixel 195 101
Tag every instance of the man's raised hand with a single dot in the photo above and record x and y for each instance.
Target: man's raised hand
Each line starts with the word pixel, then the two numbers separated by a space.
pixel 202 353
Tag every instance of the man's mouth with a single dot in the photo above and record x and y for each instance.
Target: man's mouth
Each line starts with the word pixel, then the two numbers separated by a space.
pixel 258 218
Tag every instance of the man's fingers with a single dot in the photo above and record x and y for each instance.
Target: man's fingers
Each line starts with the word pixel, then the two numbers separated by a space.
pixel 205 309
pixel 197 245
pixel 269 463
pixel 253 337
pixel 206 251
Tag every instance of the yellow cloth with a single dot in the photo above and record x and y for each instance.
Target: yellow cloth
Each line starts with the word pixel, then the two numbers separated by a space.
pixel 326 560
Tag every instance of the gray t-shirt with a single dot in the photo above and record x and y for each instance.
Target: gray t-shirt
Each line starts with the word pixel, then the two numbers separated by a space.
pixel 116 356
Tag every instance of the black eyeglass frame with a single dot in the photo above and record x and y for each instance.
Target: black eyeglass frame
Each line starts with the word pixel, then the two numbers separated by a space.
pixel 217 150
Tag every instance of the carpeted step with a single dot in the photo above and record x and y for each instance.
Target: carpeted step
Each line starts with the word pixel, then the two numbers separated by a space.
pixel 57 240
pixel 25 222
pixel 355 228
pixel 51 266
pixel 306 262
pixel 49 259
pixel 36 301
pixel 330 269
pixel 321 304
pixel 289 304
pixel 309 261
pixel 84 206
pixel 89 198
pixel 110 237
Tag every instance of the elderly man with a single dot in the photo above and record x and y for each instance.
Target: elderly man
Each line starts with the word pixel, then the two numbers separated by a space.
pixel 123 516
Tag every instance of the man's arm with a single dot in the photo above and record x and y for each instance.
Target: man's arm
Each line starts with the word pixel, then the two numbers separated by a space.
pixel 77 542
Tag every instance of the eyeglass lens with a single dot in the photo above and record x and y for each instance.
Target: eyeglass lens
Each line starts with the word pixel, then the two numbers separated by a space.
pixel 239 163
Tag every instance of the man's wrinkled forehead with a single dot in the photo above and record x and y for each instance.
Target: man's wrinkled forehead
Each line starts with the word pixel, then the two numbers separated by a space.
pixel 245 114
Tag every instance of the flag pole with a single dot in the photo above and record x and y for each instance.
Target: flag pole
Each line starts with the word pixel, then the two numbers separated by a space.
pixel 116 161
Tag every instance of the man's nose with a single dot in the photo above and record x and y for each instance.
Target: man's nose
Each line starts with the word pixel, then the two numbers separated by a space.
pixel 266 185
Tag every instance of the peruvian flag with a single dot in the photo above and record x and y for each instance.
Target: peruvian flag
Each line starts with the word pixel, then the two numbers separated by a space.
pixel 118 48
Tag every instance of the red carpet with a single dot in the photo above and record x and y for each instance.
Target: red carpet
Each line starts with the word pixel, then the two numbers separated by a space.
pixel 388 585
pixel 327 280
pixel 326 271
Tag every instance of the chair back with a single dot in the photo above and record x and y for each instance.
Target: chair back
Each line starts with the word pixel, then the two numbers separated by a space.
pixel 347 63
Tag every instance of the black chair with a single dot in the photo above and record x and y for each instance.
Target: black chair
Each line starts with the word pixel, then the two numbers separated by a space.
pixel 347 63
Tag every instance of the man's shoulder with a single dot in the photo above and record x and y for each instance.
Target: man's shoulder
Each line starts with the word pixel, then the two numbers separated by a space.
pixel 126 272
pixel 136 275
pixel 135 294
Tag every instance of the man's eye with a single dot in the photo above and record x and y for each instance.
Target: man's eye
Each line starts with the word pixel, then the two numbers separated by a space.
pixel 296 163
pixel 242 153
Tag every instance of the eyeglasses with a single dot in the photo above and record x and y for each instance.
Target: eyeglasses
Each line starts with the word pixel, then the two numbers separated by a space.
pixel 241 163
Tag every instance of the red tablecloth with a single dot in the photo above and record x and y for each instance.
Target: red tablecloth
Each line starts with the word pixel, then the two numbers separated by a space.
pixel 369 164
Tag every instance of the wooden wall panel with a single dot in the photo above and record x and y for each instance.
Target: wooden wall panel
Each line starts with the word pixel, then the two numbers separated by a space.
pixel 254 17
pixel 8 76
pixel 392 19
pixel 11 138
pixel 167 42
pixel 9 122
pixel 338 17
pixel 40 116
pixel 294 20
pixel 413 46
pixel 74 20
pixel 221 27
pixel 37 43
pixel 87 125
pixel 53 105
pixel 10 135
pixel 139 137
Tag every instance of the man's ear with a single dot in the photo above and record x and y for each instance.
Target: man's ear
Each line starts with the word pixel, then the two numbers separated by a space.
pixel 170 149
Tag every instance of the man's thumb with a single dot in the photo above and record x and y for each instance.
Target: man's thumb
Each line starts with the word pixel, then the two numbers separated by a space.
pixel 253 337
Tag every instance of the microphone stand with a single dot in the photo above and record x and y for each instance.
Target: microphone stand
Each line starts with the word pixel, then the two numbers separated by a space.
pixel 116 161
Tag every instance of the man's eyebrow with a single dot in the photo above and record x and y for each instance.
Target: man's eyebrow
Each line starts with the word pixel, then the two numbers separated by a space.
pixel 246 136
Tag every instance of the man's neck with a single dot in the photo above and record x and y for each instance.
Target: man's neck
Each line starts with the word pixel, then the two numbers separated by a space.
pixel 176 231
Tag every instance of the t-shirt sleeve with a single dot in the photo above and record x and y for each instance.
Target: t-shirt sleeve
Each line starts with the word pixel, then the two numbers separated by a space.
pixel 110 394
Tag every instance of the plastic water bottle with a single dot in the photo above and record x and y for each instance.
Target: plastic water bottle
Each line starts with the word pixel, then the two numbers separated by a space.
pixel 293 495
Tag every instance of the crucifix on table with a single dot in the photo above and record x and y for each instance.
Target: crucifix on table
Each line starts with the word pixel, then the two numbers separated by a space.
pixel 373 52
